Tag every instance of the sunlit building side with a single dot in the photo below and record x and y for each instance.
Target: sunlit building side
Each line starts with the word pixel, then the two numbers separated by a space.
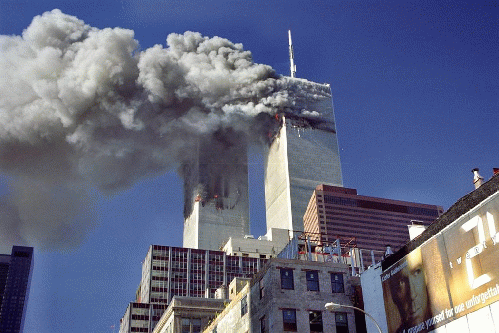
pixel 302 154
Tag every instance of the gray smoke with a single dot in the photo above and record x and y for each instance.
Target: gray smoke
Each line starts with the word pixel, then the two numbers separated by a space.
pixel 82 107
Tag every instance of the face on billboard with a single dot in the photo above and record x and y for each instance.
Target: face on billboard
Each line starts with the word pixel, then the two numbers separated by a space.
pixel 407 292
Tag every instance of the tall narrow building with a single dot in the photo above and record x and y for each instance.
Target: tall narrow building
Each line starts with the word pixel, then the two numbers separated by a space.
pixel 216 201
pixel 302 154
pixel 15 279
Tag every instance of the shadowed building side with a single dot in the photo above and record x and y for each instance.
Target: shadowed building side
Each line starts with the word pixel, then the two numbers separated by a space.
pixel 15 279
pixel 216 193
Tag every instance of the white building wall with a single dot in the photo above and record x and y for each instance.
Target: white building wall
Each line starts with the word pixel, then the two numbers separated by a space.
pixel 300 158
pixel 372 294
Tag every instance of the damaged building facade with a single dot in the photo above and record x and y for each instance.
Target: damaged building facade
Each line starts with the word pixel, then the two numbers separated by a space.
pixel 303 153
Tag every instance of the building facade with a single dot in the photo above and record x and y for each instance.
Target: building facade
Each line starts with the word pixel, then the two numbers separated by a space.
pixel 303 153
pixel 337 212
pixel 174 271
pixel 189 314
pixel 289 295
pixel 216 200
pixel 15 279
pixel 447 279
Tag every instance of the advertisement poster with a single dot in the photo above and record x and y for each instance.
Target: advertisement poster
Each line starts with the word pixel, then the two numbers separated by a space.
pixel 452 274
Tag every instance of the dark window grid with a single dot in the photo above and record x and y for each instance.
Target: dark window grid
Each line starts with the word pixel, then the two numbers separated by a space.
pixel 287 278
pixel 398 226
pixel 159 257
pixel 363 229
pixel 140 317
pixel 337 284
pixel 312 280
pixel 341 322
pixel 244 305
pixel 363 211
pixel 289 320
pixel 263 326
pixel 378 239
pixel 370 219
pixel 315 322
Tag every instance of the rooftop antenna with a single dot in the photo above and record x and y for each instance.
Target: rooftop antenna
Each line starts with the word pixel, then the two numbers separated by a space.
pixel 292 65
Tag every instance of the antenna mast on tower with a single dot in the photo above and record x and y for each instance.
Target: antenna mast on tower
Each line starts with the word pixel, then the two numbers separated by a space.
pixel 292 65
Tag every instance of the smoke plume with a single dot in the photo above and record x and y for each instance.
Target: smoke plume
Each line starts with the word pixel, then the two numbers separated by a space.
pixel 82 107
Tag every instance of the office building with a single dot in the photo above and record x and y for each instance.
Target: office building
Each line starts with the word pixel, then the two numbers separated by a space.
pixel 302 153
pixel 216 200
pixel 337 212
pixel 15 278
pixel 173 271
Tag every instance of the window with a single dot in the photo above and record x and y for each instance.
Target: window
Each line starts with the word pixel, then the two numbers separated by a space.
pixel 289 320
pixel 262 289
pixel 287 278
pixel 312 280
pixel 244 305
pixel 341 322
pixel 337 283
pixel 190 325
pixel 263 328
pixel 315 320
pixel 196 325
pixel 186 325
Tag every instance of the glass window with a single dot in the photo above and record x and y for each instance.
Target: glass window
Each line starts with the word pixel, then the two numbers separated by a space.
pixel 263 328
pixel 315 320
pixel 287 278
pixel 262 289
pixel 196 325
pixel 289 320
pixel 186 325
pixel 191 325
pixel 337 283
pixel 312 280
pixel 244 305
pixel 341 322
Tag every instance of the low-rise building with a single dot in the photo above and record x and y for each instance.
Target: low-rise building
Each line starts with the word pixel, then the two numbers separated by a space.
pixel 288 295
pixel 189 314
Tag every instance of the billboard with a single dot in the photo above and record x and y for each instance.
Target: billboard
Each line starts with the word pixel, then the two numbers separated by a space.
pixel 452 274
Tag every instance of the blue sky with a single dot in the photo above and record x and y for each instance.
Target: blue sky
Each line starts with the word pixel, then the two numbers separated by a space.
pixel 415 93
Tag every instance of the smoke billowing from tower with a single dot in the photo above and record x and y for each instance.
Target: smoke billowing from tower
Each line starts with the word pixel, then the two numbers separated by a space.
pixel 82 107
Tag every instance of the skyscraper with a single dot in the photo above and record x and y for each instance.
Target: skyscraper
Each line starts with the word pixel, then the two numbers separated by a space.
pixel 15 279
pixel 174 271
pixel 338 212
pixel 302 154
pixel 216 203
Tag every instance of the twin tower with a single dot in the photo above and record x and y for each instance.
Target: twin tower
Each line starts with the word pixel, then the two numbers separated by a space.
pixel 302 154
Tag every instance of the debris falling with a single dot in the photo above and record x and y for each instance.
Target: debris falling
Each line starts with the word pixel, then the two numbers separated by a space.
pixel 82 107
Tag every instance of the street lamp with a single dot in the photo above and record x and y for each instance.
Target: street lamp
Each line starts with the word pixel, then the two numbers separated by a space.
pixel 334 306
